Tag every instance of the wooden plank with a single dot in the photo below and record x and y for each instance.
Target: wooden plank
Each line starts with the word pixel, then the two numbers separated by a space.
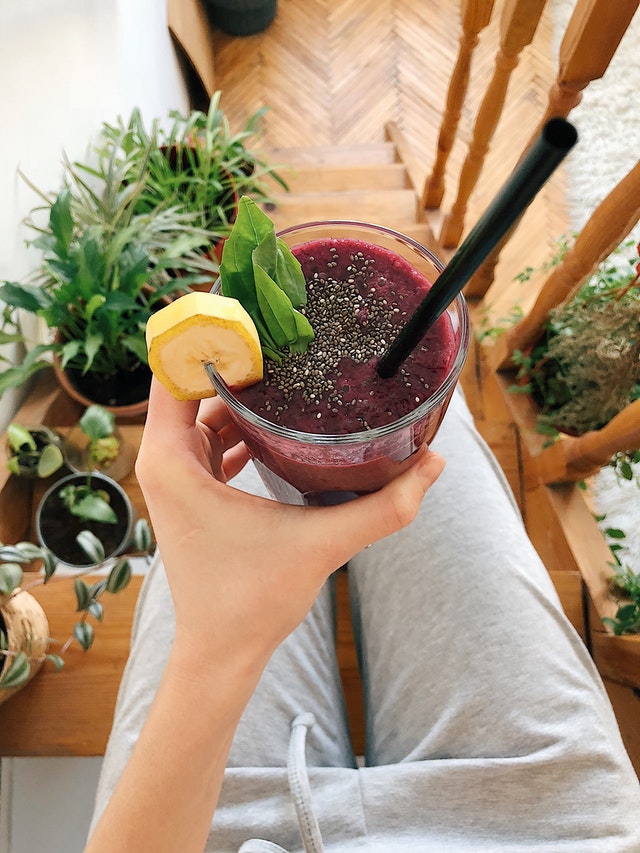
pixel 393 207
pixel 69 713
pixel 626 705
pixel 356 176
pixel 617 658
pixel 570 591
pixel 327 155
pixel 190 28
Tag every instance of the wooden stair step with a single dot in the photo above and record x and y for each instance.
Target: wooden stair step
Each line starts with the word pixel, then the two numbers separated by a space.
pixel 338 177
pixel 318 155
pixel 391 207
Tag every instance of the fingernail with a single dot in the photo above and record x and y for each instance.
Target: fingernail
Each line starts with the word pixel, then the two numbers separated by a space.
pixel 428 469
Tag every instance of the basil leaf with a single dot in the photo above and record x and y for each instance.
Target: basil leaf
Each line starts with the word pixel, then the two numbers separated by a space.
pixel 304 333
pixel 276 308
pixel 289 275
pixel 259 270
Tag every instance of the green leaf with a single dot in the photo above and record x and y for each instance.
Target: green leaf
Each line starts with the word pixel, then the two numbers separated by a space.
pixel 83 594
pixel 20 438
pixel 119 576
pixel 97 422
pixel 142 539
pixel 276 308
pixel 29 297
pixel 83 632
pixel 97 610
pixel 289 275
pixel 17 673
pixel 56 660
pixel 615 533
pixel 91 545
pixel 51 459
pixel 61 221
pixel 91 507
pixel 260 272
pixel 626 471
pixel 10 577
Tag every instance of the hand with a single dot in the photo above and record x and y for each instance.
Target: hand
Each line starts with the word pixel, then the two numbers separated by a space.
pixel 245 570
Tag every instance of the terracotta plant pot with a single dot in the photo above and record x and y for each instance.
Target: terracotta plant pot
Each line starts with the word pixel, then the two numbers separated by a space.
pixel 90 389
pixel 57 528
pixel 25 625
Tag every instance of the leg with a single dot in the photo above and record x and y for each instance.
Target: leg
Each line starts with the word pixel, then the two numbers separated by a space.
pixel 467 656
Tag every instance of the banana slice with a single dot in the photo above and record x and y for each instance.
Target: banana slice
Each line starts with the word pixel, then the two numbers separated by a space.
pixel 198 328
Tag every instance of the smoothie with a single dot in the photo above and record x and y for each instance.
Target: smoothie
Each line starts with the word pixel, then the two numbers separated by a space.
pixel 322 426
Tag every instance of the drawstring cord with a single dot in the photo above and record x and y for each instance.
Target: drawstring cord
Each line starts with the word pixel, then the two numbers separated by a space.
pixel 300 791
pixel 299 784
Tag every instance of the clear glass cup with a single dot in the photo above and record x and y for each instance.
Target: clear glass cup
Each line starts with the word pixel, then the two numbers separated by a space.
pixel 301 467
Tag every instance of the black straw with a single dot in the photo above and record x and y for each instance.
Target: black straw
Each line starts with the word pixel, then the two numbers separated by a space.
pixel 548 150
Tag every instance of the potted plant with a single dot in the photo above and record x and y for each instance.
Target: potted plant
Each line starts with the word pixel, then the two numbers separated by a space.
pixel 585 368
pixel 24 629
pixel 103 272
pixel 241 17
pixel 33 451
pixel 96 444
pixel 197 164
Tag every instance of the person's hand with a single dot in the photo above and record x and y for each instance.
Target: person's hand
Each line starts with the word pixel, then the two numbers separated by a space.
pixel 243 569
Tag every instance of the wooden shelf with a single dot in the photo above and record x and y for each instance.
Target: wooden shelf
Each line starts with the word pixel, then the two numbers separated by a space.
pixel 67 712
pixel 70 712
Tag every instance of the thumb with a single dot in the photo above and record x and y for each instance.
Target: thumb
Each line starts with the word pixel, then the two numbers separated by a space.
pixel 361 522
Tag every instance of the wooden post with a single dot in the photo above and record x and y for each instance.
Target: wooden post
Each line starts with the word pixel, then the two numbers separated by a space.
pixel 476 14
pixel 518 24
pixel 608 225
pixel 576 458
pixel 589 43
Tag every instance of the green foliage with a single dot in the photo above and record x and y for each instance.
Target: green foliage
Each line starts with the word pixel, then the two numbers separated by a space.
pixel 197 164
pixel 259 270
pixel 84 501
pixel 17 665
pixel 585 369
pixel 103 270
pixel 33 452
pixel 625 588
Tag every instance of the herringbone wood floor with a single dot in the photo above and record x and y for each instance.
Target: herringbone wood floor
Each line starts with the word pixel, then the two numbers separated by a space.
pixel 333 72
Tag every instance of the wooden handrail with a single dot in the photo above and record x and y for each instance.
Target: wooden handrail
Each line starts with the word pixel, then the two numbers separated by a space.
pixel 574 458
pixel 609 224
pixel 518 24
pixel 591 39
pixel 476 15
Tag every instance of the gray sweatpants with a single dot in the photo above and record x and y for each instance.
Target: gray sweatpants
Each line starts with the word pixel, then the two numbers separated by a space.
pixel 488 726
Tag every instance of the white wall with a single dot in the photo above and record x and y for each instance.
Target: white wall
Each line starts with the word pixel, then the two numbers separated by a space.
pixel 65 66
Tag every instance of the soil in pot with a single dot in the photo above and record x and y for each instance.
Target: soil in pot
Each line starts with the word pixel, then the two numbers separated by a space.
pixel 58 529
pixel 124 389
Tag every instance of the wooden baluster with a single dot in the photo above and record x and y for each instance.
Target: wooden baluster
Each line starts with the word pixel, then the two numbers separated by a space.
pixel 476 14
pixel 518 24
pixel 589 43
pixel 576 458
pixel 608 225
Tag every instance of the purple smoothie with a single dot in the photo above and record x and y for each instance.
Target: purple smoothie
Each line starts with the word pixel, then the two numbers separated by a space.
pixel 322 427
pixel 359 296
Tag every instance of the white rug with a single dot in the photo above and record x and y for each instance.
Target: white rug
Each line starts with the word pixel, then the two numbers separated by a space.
pixel 608 124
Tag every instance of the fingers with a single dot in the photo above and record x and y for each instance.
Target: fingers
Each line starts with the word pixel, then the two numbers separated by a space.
pixel 359 523
pixel 166 414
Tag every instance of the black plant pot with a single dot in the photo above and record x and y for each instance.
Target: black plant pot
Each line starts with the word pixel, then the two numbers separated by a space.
pixel 57 528
pixel 241 17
